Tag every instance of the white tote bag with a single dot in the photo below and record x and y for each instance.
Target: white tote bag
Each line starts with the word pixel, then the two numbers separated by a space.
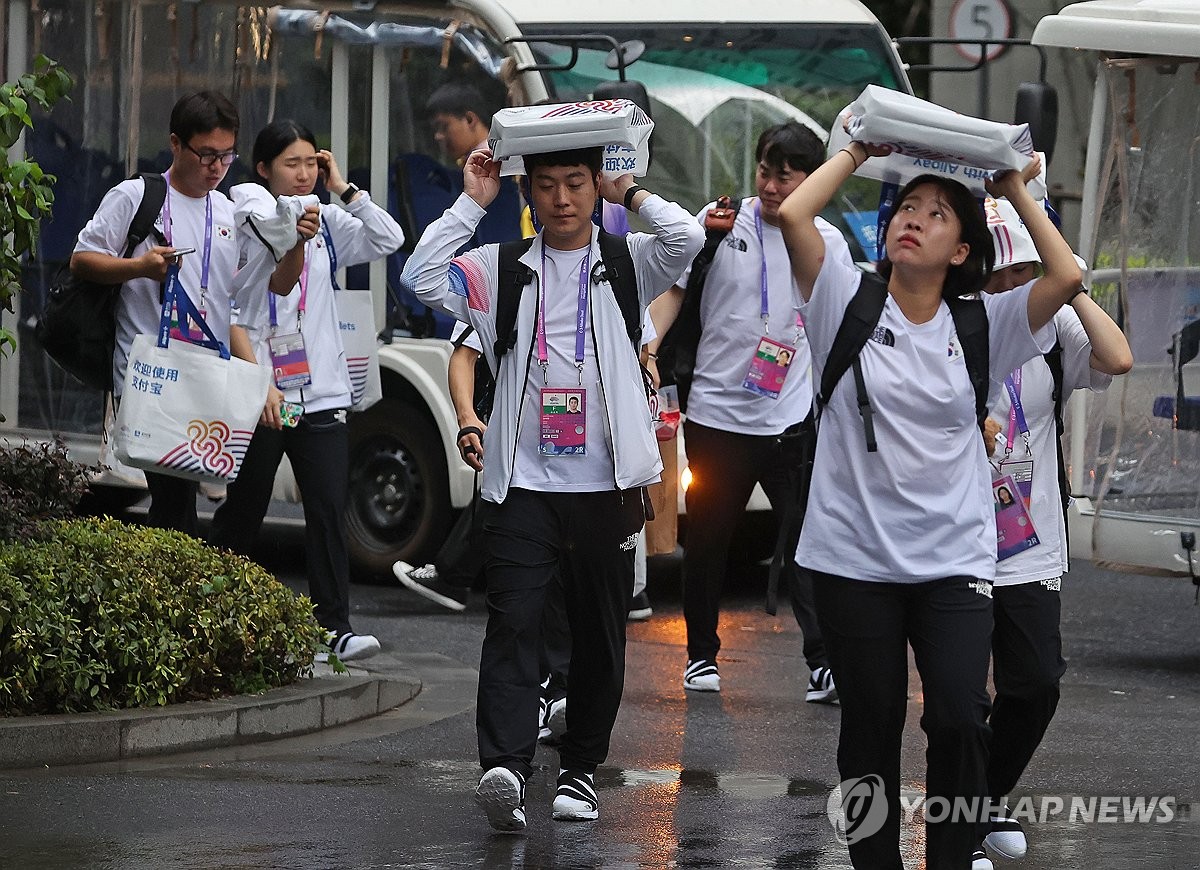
pixel 188 409
pixel 356 318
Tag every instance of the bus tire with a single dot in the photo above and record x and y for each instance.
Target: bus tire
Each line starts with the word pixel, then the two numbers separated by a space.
pixel 399 500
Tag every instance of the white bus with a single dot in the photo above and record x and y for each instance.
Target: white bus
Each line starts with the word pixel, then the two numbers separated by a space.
pixel 358 73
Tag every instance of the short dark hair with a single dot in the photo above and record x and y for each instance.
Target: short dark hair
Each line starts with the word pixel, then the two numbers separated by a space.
pixel 274 138
pixel 202 112
pixel 790 145
pixel 592 158
pixel 973 273
pixel 457 99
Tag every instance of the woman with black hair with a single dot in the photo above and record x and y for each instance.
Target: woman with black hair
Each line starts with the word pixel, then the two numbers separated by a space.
pixel 902 541
pixel 287 313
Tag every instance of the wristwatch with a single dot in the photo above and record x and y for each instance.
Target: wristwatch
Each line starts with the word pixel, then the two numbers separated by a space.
pixel 629 194
pixel 348 193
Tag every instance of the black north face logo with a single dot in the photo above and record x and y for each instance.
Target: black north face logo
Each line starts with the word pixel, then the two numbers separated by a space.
pixel 883 335
pixel 735 243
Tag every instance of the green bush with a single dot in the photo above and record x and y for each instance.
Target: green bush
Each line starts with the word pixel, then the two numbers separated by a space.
pixel 37 482
pixel 97 614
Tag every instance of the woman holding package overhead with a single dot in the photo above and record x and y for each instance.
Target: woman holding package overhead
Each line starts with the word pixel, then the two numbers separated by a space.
pixel 901 539
pixel 288 313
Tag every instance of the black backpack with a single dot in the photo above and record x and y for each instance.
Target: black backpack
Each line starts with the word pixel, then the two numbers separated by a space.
pixel 677 350
pixel 799 442
pixel 616 267
pixel 78 326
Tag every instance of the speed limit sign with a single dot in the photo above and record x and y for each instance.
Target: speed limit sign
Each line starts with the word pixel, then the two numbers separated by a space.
pixel 980 19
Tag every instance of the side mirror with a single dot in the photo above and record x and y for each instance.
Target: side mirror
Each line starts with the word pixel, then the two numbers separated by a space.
pixel 1037 106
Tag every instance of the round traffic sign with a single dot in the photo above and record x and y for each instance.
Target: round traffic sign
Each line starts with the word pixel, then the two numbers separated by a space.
pixel 980 19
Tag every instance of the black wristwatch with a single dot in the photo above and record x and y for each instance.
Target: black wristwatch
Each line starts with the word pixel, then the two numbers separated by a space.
pixel 348 193
pixel 629 194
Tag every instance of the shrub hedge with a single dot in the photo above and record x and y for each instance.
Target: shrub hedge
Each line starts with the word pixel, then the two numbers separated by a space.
pixel 97 614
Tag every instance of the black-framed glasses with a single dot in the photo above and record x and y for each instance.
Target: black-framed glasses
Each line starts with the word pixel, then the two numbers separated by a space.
pixel 208 158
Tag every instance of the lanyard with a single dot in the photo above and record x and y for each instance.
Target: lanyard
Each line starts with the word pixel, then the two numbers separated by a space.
pixel 303 292
pixel 1016 413
pixel 208 221
pixel 765 298
pixel 580 317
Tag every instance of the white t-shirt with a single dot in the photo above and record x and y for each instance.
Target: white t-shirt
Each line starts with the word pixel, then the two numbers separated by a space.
pixel 594 471
pixel 139 307
pixel 1048 559
pixel 731 324
pixel 921 507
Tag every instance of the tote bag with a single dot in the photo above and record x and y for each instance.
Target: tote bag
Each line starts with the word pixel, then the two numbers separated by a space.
pixel 356 320
pixel 188 408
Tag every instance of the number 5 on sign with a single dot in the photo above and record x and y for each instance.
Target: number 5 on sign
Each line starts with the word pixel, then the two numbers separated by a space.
pixel 980 19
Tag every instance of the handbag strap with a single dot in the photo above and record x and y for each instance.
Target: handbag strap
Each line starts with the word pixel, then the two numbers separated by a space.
pixel 174 297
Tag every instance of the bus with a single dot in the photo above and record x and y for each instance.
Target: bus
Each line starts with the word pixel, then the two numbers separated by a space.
pixel 359 73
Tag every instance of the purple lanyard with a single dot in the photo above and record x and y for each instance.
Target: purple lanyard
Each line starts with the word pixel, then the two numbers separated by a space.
pixel 580 317
pixel 207 232
pixel 1016 413
pixel 303 293
pixel 765 303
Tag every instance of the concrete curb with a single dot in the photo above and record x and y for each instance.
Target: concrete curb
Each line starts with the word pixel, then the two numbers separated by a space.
pixel 324 701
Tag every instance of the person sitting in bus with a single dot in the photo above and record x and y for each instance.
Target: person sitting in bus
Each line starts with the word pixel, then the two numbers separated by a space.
pixel 572 505
pixel 901 540
pixel 1027 662
pixel 288 314
pixel 204 129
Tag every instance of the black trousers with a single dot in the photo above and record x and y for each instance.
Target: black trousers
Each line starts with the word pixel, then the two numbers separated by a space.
pixel 725 466
pixel 1027 665
pixel 589 539
pixel 868 627
pixel 319 450
pixel 172 503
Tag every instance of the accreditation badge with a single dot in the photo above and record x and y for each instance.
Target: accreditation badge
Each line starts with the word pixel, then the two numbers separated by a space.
pixel 289 360
pixel 769 368
pixel 564 423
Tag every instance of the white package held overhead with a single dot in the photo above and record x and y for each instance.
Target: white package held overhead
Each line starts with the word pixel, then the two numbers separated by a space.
pixel 619 126
pixel 926 138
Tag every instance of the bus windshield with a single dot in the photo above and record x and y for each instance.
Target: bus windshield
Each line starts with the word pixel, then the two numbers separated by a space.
pixel 713 89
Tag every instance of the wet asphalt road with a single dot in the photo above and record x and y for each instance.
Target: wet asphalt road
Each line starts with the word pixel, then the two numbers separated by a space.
pixel 735 779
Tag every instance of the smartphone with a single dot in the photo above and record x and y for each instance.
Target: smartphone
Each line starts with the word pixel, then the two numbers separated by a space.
pixel 290 414
pixel 179 252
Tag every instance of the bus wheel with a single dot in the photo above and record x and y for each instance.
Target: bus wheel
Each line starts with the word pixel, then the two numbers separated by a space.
pixel 399 505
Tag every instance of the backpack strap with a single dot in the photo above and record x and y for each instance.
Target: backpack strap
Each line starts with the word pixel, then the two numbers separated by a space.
pixel 971 324
pixel 513 278
pixel 857 326
pixel 1055 362
pixel 153 198
pixel 620 274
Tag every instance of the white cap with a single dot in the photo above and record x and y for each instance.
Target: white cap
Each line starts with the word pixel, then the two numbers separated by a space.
pixel 1011 240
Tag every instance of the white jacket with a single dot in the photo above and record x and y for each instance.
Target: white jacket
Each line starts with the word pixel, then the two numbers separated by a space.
pixel 658 261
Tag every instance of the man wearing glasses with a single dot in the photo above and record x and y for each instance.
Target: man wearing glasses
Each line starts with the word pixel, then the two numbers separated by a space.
pixel 195 218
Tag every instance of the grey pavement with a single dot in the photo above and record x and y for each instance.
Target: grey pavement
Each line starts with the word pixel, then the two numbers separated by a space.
pixel 736 779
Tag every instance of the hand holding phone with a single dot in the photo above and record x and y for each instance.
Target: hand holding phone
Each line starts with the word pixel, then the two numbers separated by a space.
pixel 179 252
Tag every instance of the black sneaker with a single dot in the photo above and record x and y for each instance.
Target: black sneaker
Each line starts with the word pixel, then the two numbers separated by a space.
pixel 501 794
pixel 425 582
pixel 575 799
pixel 552 721
pixel 701 676
pixel 821 689
pixel 640 608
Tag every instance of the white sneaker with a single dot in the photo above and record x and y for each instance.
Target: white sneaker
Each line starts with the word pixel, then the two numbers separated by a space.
pixel 575 800
pixel 980 860
pixel 701 676
pixel 350 646
pixel 1006 837
pixel 501 794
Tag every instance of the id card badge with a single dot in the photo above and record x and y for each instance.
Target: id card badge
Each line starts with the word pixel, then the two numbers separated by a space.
pixel 1014 526
pixel 290 361
pixel 564 423
pixel 1021 471
pixel 769 368
pixel 194 333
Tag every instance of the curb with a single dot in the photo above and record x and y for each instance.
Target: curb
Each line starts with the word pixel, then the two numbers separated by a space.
pixel 305 706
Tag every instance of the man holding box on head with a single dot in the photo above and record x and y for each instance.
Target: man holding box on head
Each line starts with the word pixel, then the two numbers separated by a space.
pixel 567 488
